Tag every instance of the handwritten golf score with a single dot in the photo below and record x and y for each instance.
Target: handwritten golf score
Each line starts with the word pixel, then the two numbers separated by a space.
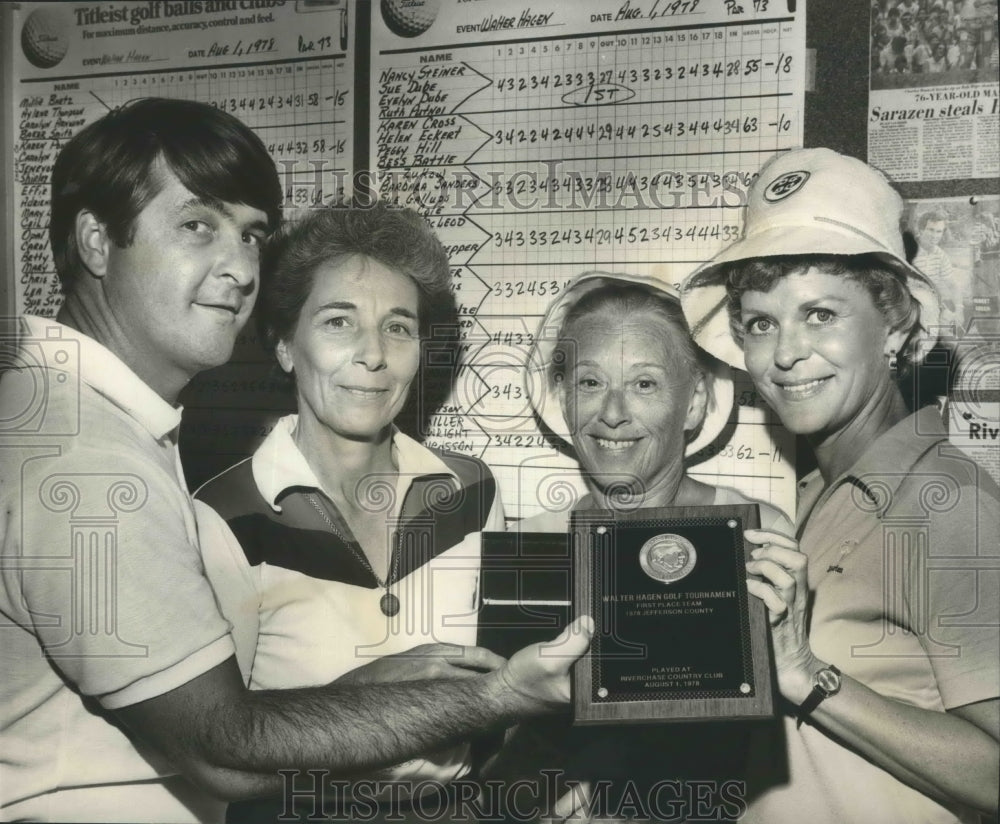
pixel 283 67
pixel 546 139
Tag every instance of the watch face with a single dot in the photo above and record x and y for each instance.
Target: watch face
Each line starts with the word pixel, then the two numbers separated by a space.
pixel 827 681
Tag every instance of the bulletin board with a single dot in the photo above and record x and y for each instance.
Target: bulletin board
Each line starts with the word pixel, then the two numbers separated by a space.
pixel 540 140
pixel 544 140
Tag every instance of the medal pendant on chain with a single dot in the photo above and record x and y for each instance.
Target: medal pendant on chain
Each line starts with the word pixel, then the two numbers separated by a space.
pixel 389 604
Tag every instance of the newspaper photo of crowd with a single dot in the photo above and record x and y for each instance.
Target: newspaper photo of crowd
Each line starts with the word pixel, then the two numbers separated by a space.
pixel 942 41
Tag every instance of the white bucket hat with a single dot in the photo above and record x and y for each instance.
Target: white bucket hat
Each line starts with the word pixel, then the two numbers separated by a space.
pixel 805 202
pixel 543 392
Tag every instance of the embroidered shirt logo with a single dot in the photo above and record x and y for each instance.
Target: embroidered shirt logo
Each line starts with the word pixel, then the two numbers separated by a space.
pixel 788 184
pixel 848 546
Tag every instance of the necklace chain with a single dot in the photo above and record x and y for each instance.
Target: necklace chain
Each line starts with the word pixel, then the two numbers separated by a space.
pixel 384 584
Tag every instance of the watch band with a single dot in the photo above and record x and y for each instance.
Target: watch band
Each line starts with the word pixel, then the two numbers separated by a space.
pixel 826 682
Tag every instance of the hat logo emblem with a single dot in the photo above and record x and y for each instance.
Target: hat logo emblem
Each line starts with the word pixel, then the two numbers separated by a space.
pixel 788 184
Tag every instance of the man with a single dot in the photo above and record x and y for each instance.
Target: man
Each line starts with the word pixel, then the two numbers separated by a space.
pixel 932 260
pixel 118 668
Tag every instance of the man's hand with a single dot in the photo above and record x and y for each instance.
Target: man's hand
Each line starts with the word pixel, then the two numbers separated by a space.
pixel 539 674
pixel 424 662
pixel 231 740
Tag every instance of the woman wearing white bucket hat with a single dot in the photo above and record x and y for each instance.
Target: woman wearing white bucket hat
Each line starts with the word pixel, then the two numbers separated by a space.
pixel 885 624
pixel 614 373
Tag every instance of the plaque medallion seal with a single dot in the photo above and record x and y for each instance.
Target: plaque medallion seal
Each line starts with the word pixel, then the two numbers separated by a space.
pixel 668 557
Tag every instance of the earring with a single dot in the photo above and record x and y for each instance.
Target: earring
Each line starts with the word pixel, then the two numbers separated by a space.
pixel 893 362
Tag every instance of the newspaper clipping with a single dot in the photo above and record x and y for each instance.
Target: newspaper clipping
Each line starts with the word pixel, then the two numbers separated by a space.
pixel 958 248
pixel 933 103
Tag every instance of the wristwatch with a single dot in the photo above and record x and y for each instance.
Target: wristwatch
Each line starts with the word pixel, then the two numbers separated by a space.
pixel 826 682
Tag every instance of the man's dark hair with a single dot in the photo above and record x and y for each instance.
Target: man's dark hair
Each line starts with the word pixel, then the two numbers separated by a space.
pixel 110 169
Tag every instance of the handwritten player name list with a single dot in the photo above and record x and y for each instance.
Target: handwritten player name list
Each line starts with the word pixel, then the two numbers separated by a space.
pixel 543 140
pixel 284 68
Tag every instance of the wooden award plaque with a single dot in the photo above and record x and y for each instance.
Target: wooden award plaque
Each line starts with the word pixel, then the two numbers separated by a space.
pixel 677 637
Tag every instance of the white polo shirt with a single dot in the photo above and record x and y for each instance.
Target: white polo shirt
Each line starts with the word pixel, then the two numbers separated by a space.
pixel 305 609
pixel 905 587
pixel 104 601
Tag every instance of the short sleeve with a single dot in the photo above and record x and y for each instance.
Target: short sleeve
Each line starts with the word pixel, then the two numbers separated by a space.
pixel 108 576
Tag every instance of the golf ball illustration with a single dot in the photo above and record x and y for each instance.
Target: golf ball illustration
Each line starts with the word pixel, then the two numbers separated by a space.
pixel 408 18
pixel 43 37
